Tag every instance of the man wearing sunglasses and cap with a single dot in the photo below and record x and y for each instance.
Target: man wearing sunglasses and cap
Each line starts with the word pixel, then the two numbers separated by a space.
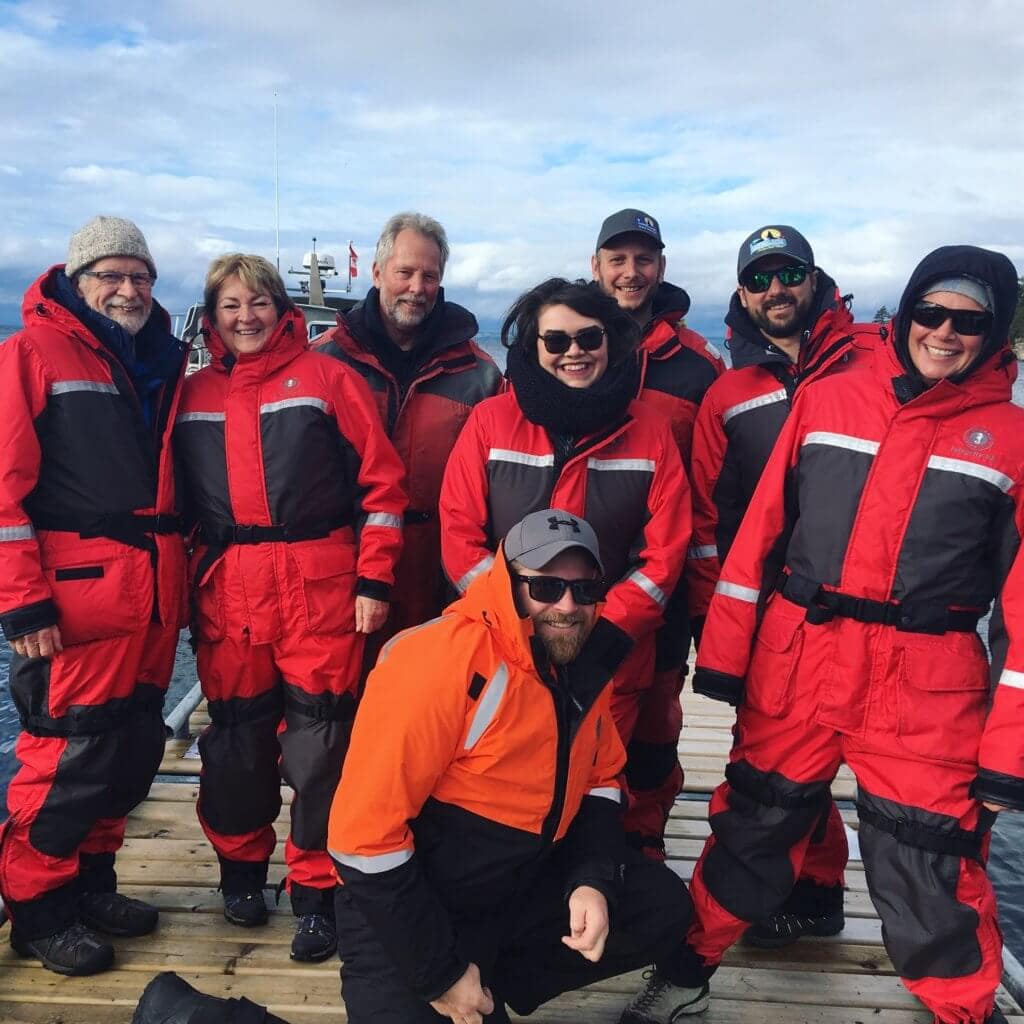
pixel 677 366
pixel 787 324
pixel 477 827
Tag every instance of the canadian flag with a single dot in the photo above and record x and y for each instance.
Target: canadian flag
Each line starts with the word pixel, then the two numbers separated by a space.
pixel 353 262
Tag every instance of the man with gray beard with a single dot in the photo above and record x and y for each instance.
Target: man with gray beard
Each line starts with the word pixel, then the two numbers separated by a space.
pixel 416 352
pixel 92 587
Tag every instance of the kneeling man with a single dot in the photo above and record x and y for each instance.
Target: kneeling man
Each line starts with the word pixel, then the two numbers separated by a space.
pixel 477 827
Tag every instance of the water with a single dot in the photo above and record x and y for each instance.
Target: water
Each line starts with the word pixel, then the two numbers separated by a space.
pixel 1007 854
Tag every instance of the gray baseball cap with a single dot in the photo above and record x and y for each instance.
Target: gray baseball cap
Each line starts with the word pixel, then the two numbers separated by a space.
pixel 774 240
pixel 629 222
pixel 540 536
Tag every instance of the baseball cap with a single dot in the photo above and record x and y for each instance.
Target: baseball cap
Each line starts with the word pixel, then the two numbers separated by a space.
pixel 540 536
pixel 629 222
pixel 774 240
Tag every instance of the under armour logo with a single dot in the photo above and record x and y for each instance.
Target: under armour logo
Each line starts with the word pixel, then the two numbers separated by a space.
pixel 555 523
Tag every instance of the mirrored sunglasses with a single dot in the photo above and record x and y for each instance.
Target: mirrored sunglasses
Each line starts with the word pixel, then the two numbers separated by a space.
pixel 758 281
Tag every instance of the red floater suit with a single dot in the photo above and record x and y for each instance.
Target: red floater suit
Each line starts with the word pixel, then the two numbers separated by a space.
pixel 283 462
pixel 89 542
pixel 904 507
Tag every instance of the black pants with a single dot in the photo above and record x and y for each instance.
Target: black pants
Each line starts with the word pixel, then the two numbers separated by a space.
pixel 530 964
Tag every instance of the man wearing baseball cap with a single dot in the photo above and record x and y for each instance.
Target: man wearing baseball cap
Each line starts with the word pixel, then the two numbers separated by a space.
pixel 91 586
pixel 677 366
pixel 787 324
pixel 477 827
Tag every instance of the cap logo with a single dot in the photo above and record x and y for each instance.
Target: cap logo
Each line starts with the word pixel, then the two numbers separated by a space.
pixel 978 439
pixel 647 224
pixel 771 238
pixel 554 523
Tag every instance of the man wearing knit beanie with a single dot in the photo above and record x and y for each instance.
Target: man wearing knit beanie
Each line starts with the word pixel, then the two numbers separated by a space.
pixel 91 587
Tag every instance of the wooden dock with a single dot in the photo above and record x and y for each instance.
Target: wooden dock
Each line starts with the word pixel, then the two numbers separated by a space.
pixel 167 861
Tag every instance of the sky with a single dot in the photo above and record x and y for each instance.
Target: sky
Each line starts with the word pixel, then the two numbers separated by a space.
pixel 879 129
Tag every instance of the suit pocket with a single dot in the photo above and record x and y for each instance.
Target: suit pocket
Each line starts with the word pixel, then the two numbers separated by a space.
pixel 207 599
pixel 775 660
pixel 102 597
pixel 943 697
pixel 328 575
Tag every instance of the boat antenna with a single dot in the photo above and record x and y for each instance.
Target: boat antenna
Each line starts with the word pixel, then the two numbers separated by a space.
pixel 277 194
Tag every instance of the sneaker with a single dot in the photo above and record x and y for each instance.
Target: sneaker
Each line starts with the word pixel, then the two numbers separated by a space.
pixel 75 951
pixel 661 1002
pixel 246 909
pixel 784 928
pixel 114 914
pixel 315 938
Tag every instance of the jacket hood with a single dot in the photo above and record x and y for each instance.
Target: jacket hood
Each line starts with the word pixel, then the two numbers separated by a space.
pixel 488 600
pixel 993 268
pixel 749 347
pixel 448 323
pixel 288 339
pixel 670 302
pixel 40 302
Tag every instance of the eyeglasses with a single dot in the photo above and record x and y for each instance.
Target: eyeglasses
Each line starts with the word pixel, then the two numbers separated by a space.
pixel 965 321
pixel 758 281
pixel 588 338
pixel 114 278
pixel 549 589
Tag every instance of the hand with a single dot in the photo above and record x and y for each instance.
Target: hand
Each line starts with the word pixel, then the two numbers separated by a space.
pixel 467 1001
pixel 588 923
pixel 43 643
pixel 998 807
pixel 370 614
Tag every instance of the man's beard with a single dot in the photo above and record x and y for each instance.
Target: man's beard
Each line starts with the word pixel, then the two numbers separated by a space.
pixel 131 322
pixel 793 324
pixel 407 315
pixel 563 646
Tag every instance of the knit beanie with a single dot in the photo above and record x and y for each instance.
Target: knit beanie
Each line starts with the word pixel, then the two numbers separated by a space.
pixel 963 284
pixel 106 236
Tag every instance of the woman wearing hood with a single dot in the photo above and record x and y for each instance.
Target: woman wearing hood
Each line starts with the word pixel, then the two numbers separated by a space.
pixel 282 459
pixel 571 435
pixel 897 493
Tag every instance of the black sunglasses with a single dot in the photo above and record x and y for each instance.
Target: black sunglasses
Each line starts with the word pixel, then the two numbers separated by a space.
pixel 965 321
pixel 758 281
pixel 557 342
pixel 549 589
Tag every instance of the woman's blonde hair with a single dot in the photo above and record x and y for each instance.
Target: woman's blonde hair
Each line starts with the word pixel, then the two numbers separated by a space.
pixel 256 273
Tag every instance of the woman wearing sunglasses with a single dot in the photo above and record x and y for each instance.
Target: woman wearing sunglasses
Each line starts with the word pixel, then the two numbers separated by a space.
pixel 570 435
pixel 896 491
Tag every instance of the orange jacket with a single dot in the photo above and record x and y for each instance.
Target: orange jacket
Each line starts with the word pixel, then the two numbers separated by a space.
pixel 471 759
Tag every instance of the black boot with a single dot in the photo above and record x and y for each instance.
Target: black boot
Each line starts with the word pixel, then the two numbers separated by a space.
pixel 105 910
pixel 316 937
pixel 74 950
pixel 242 883
pixel 168 999
pixel 810 910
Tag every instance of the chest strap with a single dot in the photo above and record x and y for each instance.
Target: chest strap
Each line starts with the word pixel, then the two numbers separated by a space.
pixel 907 617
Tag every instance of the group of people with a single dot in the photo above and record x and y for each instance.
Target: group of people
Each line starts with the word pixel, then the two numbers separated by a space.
pixel 452 609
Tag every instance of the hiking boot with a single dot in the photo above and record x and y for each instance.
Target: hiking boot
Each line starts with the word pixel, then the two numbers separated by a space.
pixel 75 951
pixel 246 909
pixel 661 1002
pixel 784 928
pixel 168 999
pixel 114 914
pixel 315 938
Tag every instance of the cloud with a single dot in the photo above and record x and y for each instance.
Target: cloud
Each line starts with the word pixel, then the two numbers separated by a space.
pixel 520 127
